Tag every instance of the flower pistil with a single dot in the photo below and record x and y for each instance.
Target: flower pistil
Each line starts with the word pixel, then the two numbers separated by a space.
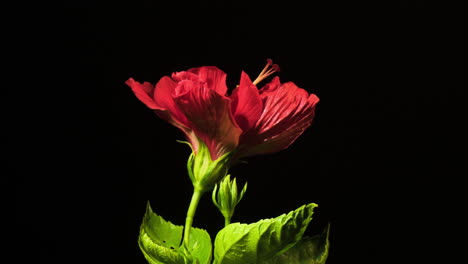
pixel 268 70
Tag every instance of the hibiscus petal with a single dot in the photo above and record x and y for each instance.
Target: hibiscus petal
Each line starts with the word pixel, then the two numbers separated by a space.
pixel 313 99
pixel 284 140
pixel 213 76
pixel 163 97
pixel 210 118
pixel 246 103
pixel 288 111
pixel 270 87
pixel 184 75
pixel 282 108
pixel 143 92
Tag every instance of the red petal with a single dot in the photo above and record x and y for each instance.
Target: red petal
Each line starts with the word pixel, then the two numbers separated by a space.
pixel 163 97
pixel 313 99
pixel 288 111
pixel 210 116
pixel 270 87
pixel 144 92
pixel 246 103
pixel 282 108
pixel 185 75
pixel 159 98
pixel 283 140
pixel 213 76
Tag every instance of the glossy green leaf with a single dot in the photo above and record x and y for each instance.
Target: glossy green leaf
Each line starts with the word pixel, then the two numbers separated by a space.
pixel 309 250
pixel 200 245
pixel 160 242
pixel 254 243
pixel 159 239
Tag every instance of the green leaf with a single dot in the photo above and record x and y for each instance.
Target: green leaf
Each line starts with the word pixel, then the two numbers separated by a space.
pixel 200 245
pixel 159 239
pixel 309 250
pixel 253 243
pixel 160 242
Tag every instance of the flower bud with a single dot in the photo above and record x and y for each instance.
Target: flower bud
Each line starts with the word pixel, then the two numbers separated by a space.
pixel 226 197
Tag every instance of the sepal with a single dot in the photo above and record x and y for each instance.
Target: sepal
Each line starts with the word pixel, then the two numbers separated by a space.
pixel 205 172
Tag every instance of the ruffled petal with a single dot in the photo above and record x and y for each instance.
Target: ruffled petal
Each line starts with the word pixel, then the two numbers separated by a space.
pixel 185 75
pixel 163 97
pixel 287 111
pixel 283 108
pixel 144 92
pixel 270 87
pixel 246 103
pixel 210 118
pixel 213 77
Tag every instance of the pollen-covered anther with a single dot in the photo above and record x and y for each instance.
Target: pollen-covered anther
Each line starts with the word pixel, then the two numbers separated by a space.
pixel 268 70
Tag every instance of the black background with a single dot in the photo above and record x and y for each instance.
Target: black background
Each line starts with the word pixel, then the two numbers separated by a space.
pixel 86 155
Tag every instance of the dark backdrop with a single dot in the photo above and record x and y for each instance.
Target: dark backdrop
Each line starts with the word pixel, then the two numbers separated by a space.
pixel 87 155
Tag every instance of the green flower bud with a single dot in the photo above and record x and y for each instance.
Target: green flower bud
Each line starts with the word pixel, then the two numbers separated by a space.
pixel 226 197
pixel 205 172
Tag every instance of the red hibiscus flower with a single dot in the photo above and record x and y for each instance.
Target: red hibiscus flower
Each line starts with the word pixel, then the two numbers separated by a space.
pixel 195 102
pixel 249 122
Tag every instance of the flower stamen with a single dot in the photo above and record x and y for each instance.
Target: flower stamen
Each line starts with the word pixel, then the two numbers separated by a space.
pixel 268 70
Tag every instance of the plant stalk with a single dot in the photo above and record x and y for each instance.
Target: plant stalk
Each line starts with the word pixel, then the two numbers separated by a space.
pixel 227 220
pixel 197 193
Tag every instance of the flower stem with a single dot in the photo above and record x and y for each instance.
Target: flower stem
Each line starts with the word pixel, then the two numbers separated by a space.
pixel 227 220
pixel 197 193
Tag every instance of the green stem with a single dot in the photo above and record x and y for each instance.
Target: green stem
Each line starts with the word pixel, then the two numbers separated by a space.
pixel 197 193
pixel 227 220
